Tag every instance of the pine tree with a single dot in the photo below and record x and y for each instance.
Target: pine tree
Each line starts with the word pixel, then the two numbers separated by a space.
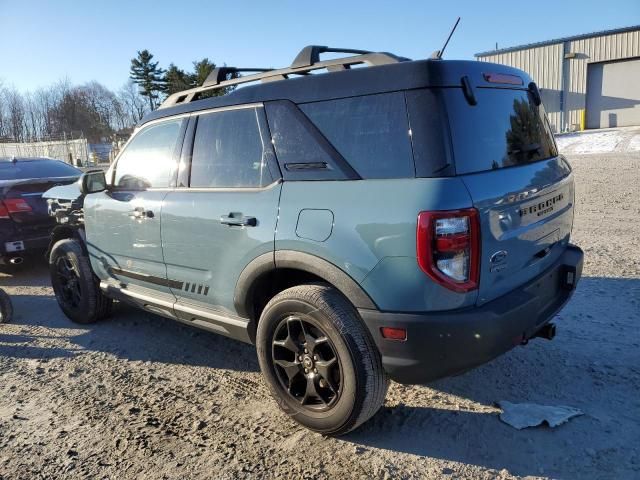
pixel 175 80
pixel 148 76
pixel 201 71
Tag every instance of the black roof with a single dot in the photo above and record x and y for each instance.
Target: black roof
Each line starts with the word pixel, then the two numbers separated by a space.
pixel 402 74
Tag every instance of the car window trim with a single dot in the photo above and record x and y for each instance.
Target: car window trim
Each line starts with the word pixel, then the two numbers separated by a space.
pixel 209 189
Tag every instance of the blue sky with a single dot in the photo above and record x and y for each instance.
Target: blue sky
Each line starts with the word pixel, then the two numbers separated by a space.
pixel 45 41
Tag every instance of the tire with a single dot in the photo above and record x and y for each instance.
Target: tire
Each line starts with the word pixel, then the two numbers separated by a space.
pixel 75 286
pixel 345 383
pixel 6 309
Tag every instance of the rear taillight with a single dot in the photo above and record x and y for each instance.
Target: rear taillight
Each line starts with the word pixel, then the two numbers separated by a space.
pixel 4 213
pixel 15 205
pixel 448 248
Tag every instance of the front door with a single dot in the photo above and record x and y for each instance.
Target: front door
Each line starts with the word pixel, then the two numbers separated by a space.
pixel 123 223
pixel 227 215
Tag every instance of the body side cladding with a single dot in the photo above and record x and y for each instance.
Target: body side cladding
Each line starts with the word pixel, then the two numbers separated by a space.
pixel 204 319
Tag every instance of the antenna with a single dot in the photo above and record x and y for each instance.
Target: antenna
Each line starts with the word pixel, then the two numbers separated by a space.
pixel 438 53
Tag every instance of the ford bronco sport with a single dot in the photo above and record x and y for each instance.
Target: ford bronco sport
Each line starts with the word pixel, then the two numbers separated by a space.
pixel 385 219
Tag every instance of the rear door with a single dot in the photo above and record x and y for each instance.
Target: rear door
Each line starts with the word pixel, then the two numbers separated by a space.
pixel 505 153
pixel 224 215
pixel 123 223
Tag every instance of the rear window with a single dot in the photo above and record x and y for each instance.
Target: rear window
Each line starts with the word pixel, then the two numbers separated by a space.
pixel 26 169
pixel 370 132
pixel 504 129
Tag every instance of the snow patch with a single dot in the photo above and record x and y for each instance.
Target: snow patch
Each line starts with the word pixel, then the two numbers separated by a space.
pixel 600 141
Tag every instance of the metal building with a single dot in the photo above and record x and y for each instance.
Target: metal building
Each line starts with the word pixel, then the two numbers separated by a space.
pixel 586 81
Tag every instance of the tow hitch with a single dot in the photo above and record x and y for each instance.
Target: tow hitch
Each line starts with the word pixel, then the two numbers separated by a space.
pixel 547 332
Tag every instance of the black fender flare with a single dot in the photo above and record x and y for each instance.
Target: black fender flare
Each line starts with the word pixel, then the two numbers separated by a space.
pixel 60 232
pixel 291 259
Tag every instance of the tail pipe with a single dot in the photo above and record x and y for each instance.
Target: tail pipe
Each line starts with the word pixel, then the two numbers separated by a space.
pixel 16 260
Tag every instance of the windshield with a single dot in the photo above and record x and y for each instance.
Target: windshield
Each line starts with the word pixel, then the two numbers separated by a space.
pixel 25 169
pixel 504 129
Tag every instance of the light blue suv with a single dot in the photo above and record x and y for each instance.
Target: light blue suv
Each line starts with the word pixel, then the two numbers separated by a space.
pixel 406 220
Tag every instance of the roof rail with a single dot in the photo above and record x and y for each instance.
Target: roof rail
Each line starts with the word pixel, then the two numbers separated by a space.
pixel 311 54
pixel 306 61
pixel 219 74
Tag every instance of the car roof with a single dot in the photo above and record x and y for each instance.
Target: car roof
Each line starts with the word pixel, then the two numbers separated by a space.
pixel 403 74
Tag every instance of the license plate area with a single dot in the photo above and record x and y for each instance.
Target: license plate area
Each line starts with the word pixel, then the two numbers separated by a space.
pixel 17 246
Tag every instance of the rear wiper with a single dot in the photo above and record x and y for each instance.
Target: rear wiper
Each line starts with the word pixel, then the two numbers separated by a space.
pixel 532 147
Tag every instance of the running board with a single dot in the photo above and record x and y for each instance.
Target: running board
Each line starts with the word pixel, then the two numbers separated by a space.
pixel 212 321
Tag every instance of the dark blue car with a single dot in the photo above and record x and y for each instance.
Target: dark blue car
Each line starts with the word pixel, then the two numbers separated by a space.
pixel 25 224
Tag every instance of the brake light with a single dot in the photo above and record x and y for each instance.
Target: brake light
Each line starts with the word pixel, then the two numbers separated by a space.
pixel 448 248
pixel 4 213
pixel 505 78
pixel 16 205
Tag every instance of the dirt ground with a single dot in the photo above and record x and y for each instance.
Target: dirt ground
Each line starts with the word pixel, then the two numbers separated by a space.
pixel 139 396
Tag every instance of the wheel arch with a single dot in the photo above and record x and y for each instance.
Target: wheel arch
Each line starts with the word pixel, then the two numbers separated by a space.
pixel 61 232
pixel 272 272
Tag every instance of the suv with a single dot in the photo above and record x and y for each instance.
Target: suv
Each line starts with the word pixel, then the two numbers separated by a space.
pixel 404 220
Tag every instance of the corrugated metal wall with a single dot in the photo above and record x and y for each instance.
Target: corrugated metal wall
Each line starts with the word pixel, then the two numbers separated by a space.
pixel 546 65
pixel 590 50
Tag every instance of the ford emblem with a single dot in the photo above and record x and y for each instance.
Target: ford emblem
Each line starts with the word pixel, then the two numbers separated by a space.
pixel 498 257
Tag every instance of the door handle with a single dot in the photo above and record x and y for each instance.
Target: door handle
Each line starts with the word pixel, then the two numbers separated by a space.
pixel 140 213
pixel 238 220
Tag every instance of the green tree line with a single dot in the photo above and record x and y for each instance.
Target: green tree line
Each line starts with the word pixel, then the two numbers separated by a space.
pixel 156 83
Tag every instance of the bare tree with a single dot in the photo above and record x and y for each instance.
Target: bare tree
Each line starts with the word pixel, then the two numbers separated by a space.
pixel 16 116
pixel 135 105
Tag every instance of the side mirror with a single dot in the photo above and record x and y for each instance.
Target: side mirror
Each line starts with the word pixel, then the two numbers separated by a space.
pixel 93 182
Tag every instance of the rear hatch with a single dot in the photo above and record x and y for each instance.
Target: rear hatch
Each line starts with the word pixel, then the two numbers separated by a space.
pixel 505 154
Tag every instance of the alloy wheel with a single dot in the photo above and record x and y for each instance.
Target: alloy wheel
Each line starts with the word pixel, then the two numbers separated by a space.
pixel 69 280
pixel 306 363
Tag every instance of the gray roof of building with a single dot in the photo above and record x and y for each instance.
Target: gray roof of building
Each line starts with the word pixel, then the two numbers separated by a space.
pixel 558 40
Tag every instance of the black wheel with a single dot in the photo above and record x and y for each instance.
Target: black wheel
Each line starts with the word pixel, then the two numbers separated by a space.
pixel 6 309
pixel 74 284
pixel 319 360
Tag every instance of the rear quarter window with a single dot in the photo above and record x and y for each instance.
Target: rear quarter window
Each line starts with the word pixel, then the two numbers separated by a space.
pixel 371 132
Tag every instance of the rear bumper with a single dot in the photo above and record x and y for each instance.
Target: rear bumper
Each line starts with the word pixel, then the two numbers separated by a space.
pixel 441 344
pixel 32 242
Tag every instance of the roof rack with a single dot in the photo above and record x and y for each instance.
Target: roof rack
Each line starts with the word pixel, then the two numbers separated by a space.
pixel 306 61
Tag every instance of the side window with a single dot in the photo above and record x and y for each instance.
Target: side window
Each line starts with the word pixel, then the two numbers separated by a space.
pixel 371 133
pixel 148 160
pixel 228 151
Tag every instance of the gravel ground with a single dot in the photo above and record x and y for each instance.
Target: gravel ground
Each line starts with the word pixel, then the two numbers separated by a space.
pixel 142 397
